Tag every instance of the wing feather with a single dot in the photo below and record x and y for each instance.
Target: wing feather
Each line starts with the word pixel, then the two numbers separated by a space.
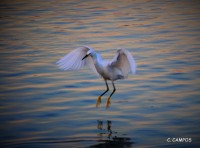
pixel 73 60
pixel 124 61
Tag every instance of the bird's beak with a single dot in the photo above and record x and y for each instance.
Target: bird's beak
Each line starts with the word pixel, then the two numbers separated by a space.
pixel 85 57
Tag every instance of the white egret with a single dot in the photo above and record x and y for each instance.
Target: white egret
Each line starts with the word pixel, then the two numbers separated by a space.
pixel 118 68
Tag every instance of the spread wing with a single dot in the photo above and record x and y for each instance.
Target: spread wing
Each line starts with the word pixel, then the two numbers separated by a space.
pixel 124 61
pixel 73 60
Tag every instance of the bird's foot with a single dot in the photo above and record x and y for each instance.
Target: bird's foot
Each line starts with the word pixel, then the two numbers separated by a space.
pixel 108 103
pixel 98 101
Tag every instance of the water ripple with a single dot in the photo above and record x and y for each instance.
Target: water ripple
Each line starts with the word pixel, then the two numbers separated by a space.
pixel 42 106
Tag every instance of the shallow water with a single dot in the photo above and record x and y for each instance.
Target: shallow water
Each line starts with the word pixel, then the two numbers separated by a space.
pixel 42 106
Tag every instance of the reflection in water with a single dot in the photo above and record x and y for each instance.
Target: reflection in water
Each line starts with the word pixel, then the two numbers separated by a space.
pixel 113 140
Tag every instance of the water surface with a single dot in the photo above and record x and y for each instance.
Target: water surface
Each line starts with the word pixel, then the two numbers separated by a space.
pixel 42 106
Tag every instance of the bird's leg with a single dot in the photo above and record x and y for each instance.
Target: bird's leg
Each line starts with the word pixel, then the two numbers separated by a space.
pixel 106 89
pixel 108 101
pixel 114 89
pixel 99 98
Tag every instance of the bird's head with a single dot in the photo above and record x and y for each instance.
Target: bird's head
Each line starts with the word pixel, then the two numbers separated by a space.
pixel 88 53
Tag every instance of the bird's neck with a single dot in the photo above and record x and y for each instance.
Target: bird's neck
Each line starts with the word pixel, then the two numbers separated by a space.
pixel 98 60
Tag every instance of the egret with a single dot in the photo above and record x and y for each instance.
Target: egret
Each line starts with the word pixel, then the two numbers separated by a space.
pixel 119 67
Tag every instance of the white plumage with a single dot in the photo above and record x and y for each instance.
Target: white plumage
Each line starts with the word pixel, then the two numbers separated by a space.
pixel 118 68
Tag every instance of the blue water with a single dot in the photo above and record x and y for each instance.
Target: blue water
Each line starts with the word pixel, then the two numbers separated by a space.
pixel 42 106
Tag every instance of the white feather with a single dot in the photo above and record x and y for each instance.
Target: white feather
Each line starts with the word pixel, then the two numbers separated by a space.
pixel 124 61
pixel 90 64
pixel 118 68
pixel 73 60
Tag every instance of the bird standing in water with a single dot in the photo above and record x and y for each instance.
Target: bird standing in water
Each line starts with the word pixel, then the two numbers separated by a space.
pixel 118 68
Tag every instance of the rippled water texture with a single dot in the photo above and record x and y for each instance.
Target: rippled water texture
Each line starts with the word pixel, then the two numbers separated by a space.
pixel 42 106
